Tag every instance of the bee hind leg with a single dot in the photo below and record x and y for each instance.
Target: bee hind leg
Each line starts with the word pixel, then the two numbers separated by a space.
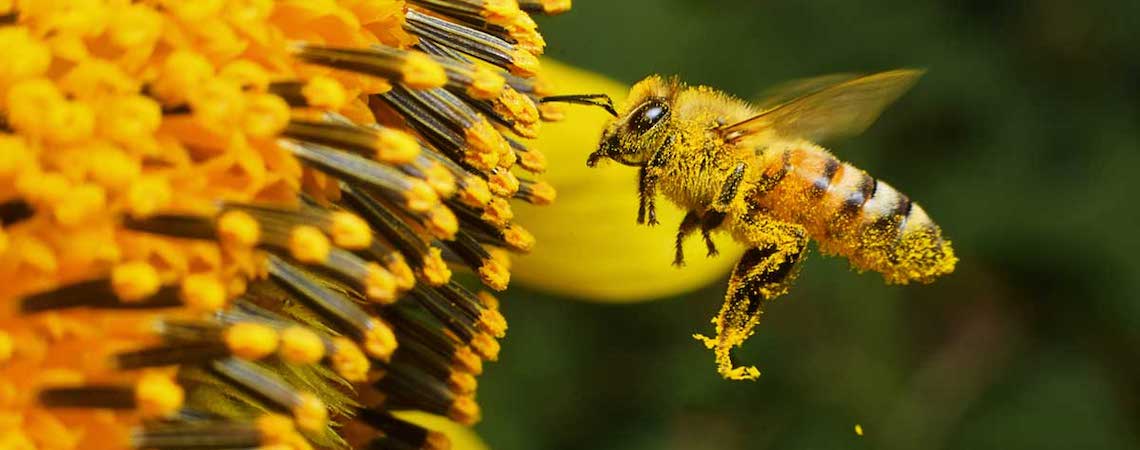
pixel 763 273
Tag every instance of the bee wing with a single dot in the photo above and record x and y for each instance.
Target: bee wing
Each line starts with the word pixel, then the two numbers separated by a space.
pixel 790 90
pixel 844 108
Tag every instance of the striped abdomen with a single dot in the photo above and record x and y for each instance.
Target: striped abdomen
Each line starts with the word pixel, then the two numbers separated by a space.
pixel 852 214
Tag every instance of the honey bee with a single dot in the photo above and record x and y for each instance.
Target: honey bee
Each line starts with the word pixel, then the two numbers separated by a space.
pixel 757 173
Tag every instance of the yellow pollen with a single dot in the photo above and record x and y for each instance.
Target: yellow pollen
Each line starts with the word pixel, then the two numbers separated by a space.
pixel 247 74
pixel 464 411
pixel 239 228
pixel 396 147
pixel 500 11
pixel 380 285
pixel 275 428
pixel 37 109
pixel 527 39
pixel 420 197
pixel 543 193
pixel 157 395
pixel 555 6
pixel 350 231
pixel 519 106
pixel 498 212
pixel 130 120
pixel 475 192
pixel 508 159
pixel 494 275
pixel 525 33
pixel 147 195
pixel 551 112
pixel 14 439
pixel 25 57
pixel 486 140
pixel 43 188
pixel 442 223
pixel 435 270
pixel 194 10
pixel 503 183
pixel 135 27
pixel 183 72
pixel 493 322
pixel 440 179
pixel 519 238
pixel 300 345
pixel 251 341
pixel 310 413
pixel 421 72
pixel 80 203
pixel 324 92
pixel 379 340
pixel 466 360
pixel 218 105
pixel 112 167
pixel 485 84
pixel 134 281
pixel 15 156
pixel 308 244
pixel 405 278
pixel 203 292
pixel 524 63
pixel 265 115
pixel 6 347
pixel 93 79
pixel 858 429
pixel 462 383
pixel 489 301
pixel 348 361
pixel 481 160
pixel 485 346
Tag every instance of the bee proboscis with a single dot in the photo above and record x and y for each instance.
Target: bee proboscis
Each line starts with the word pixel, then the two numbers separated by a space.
pixel 757 173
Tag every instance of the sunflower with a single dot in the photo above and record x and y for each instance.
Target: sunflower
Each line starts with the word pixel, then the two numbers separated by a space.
pixel 234 223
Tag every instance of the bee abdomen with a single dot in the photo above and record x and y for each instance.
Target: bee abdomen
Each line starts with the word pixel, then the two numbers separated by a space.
pixel 879 228
pixel 852 214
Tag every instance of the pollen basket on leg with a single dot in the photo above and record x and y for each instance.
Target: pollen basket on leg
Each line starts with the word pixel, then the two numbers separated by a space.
pixel 246 216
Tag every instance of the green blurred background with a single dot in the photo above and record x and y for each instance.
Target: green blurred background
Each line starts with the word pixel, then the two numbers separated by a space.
pixel 1021 141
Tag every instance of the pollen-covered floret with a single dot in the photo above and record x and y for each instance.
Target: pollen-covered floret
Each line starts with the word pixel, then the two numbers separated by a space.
pixel 215 214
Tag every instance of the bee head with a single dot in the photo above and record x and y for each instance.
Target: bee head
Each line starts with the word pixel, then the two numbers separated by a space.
pixel 636 132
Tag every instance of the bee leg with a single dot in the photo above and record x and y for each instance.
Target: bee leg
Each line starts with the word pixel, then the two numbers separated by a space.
pixel 647 192
pixel 688 226
pixel 710 222
pixel 715 216
pixel 763 273
pixel 730 187
pixel 647 183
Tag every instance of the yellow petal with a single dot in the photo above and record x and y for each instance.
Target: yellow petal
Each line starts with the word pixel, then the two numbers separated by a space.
pixel 589 243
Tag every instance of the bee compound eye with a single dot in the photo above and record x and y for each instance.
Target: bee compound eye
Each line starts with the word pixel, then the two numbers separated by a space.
pixel 648 115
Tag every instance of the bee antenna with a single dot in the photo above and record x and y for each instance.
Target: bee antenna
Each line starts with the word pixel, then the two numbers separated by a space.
pixel 600 100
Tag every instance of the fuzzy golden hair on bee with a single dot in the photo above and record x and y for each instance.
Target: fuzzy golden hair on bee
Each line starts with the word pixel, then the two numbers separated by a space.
pixel 757 173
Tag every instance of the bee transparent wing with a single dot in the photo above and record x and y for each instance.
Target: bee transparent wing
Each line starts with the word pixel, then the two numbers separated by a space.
pixel 842 109
pixel 790 90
